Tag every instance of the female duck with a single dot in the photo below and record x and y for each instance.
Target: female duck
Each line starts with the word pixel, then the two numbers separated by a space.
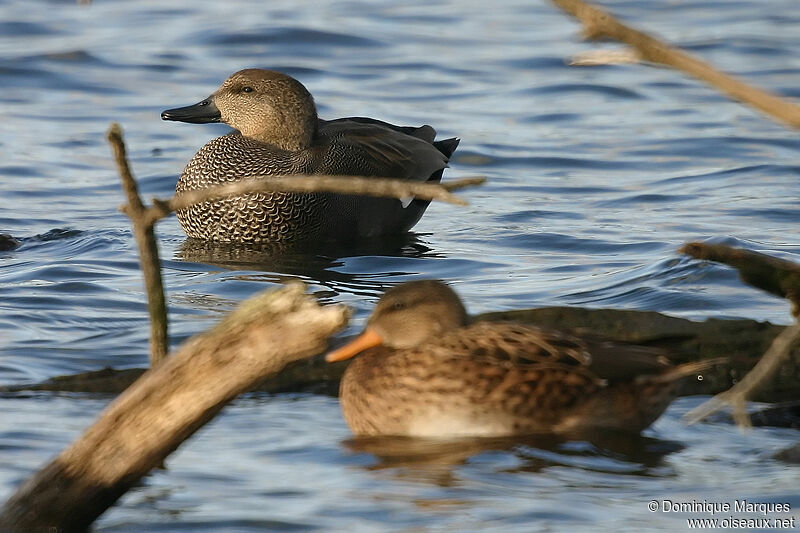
pixel 279 133
pixel 427 373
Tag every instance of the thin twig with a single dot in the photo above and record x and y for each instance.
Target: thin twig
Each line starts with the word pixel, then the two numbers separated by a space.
pixel 148 249
pixel 304 183
pixel 738 394
pixel 599 24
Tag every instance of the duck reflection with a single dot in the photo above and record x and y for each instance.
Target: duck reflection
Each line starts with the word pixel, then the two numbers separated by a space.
pixel 277 264
pixel 436 461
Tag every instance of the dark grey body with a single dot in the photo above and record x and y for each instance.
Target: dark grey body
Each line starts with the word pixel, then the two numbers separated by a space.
pixel 350 146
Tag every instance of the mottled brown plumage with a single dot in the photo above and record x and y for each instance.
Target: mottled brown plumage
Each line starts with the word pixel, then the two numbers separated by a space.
pixel 428 373
pixel 279 133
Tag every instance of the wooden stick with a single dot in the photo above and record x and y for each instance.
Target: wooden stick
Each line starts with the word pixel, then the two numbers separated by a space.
pixel 167 405
pixel 304 183
pixel 148 249
pixel 599 24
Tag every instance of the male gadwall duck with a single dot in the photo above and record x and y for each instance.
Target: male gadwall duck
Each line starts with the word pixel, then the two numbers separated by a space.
pixel 279 133
pixel 426 372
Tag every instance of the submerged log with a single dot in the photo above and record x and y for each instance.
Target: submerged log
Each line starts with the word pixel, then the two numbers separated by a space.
pixel 167 405
pixel 742 341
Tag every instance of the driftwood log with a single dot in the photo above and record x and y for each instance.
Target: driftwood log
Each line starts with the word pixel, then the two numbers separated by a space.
pixel 167 405
pixel 171 401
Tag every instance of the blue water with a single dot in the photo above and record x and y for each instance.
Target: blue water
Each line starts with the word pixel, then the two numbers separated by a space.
pixel 596 177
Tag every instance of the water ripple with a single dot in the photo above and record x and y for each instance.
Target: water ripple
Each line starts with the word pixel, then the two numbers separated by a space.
pixel 596 177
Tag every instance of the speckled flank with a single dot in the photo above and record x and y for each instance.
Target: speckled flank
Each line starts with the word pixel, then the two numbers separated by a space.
pixel 273 217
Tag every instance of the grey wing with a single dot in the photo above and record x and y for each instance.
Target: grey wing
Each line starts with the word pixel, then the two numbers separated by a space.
pixel 374 148
pixel 426 133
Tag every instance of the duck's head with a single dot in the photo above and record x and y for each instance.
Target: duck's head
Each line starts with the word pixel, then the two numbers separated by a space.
pixel 406 316
pixel 264 105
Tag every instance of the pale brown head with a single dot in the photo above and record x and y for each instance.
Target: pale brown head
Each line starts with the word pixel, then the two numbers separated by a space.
pixel 264 105
pixel 407 316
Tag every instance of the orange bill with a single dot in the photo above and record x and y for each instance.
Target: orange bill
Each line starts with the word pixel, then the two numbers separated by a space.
pixel 368 339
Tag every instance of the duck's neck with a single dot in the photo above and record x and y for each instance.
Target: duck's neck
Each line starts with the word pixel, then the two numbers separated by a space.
pixel 285 133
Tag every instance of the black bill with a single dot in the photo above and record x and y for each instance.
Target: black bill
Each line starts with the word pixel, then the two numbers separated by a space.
pixel 199 113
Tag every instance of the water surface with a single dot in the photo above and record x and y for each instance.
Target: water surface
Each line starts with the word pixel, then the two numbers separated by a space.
pixel 596 177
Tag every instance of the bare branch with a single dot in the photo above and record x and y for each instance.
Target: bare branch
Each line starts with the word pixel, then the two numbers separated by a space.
pixel 600 24
pixel 304 183
pixel 148 249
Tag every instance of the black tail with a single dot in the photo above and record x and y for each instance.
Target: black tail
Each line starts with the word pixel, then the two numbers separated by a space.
pixel 447 146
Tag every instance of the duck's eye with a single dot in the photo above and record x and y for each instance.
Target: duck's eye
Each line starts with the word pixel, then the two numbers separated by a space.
pixel 247 90
pixel 398 305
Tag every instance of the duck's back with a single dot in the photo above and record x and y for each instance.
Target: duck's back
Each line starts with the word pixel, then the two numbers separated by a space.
pixel 358 147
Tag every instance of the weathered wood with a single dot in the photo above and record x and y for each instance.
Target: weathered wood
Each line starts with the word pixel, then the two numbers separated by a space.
pixel 599 24
pixel 304 183
pixel 167 405
pixel 767 273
